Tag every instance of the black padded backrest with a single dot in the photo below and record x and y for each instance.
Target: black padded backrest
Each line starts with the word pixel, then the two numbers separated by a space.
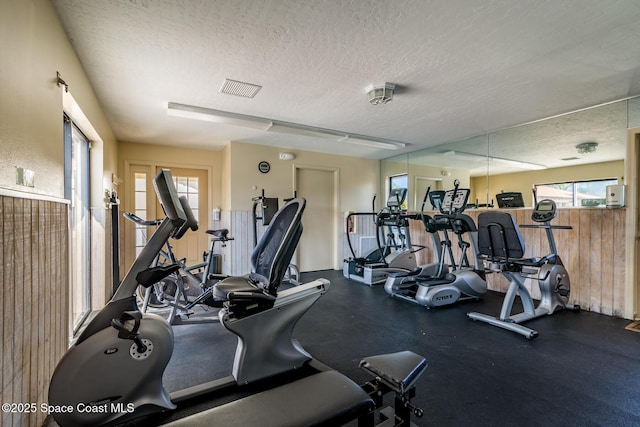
pixel 272 255
pixel 499 237
pixel 190 223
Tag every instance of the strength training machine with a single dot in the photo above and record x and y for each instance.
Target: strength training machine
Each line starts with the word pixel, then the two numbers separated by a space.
pixel 502 246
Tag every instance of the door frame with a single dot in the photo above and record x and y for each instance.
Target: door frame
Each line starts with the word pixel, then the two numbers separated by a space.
pixel 417 199
pixel 632 232
pixel 337 265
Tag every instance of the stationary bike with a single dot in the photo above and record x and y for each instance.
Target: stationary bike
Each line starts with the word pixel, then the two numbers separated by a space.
pixel 502 246
pixel 435 285
pixel 113 372
pixel 172 290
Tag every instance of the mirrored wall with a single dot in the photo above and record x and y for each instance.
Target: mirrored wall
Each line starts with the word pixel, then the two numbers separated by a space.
pixel 555 150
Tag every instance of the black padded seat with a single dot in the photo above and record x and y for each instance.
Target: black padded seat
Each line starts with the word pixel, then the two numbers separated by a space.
pixel 221 233
pixel 223 288
pixel 325 399
pixel 399 371
pixel 155 274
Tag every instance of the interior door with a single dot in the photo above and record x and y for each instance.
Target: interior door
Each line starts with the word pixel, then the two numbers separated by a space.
pixel 317 244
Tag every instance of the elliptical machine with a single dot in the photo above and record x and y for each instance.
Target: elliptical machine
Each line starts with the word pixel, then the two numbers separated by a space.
pixel 394 252
pixel 434 285
pixel 502 246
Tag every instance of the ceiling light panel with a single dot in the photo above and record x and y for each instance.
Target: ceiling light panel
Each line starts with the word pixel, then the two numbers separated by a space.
pixel 261 123
pixel 237 88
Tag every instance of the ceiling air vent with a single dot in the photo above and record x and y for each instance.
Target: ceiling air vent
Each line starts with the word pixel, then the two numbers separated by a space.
pixel 234 87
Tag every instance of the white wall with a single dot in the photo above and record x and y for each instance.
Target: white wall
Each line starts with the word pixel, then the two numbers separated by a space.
pixel 359 178
pixel 34 47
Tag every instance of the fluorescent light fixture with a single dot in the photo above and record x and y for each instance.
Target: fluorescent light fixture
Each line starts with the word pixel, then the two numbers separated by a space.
pixel 377 143
pixel 482 157
pixel 518 164
pixel 217 116
pixel 301 130
pixel 225 117
pixel 465 156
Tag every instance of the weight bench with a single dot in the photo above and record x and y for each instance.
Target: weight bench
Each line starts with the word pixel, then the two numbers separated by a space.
pixel 325 399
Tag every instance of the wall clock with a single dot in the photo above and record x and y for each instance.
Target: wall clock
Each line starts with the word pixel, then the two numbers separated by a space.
pixel 264 167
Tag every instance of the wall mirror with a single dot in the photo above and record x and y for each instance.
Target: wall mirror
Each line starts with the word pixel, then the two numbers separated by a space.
pixel 393 172
pixel 517 158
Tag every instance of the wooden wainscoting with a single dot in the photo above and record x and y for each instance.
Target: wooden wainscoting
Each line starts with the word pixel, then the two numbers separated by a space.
pixel 593 253
pixel 34 301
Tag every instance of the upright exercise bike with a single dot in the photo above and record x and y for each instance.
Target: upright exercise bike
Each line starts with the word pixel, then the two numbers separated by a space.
pixel 172 290
pixel 502 246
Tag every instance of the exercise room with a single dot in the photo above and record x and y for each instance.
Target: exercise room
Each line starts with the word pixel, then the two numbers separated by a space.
pixel 319 213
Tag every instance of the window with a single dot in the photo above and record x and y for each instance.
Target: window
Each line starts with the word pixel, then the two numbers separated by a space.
pixel 577 193
pixel 188 186
pixel 76 189
pixel 140 208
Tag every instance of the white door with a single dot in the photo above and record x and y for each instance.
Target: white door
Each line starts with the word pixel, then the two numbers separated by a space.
pixel 316 250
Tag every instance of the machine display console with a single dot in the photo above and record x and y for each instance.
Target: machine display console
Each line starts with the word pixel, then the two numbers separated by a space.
pixel 397 196
pixel 453 203
pixel 545 210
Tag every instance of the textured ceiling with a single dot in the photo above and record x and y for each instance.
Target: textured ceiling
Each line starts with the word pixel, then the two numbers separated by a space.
pixel 463 67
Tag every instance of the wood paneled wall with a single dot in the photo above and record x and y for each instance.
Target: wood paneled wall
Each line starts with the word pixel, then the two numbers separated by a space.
pixel 593 252
pixel 35 320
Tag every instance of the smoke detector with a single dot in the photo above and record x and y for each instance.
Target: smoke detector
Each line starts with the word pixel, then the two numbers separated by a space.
pixel 587 147
pixel 380 93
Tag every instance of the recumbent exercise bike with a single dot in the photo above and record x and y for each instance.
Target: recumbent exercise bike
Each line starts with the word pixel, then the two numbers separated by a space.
pixel 502 247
